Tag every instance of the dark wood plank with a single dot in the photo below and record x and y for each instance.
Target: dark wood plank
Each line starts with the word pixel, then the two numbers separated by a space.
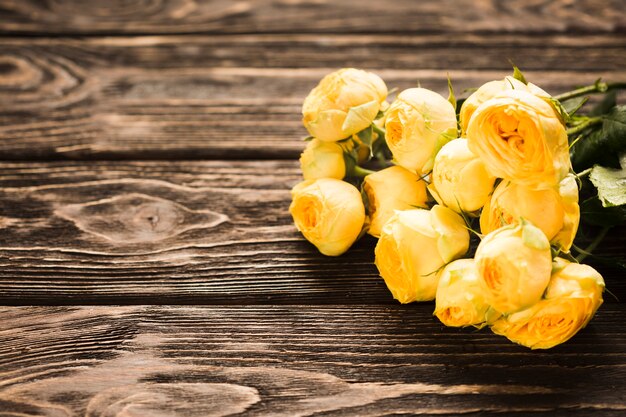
pixel 237 97
pixel 176 232
pixel 263 16
pixel 200 232
pixel 297 360
pixel 541 52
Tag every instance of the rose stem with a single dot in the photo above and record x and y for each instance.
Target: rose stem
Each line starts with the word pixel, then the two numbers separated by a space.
pixel 590 89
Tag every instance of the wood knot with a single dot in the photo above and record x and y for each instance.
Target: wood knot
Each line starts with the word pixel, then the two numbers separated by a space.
pixel 137 218
pixel 172 400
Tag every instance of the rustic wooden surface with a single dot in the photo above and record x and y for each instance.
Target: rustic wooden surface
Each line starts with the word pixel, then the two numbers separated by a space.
pixel 146 153
pixel 295 360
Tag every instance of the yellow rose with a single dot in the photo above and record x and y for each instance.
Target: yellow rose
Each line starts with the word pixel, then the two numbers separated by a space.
pixel 459 179
pixel 554 210
pixel 413 247
pixel 520 138
pixel 460 300
pixel 329 213
pixel 486 91
pixel 343 103
pixel 322 160
pixel 514 265
pixel 418 123
pixel 572 298
pixel 393 188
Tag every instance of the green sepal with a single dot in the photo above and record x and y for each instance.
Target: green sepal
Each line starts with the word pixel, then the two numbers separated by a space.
pixel 361 116
pixel 561 111
pixel 451 96
pixel 517 74
pixel 445 137
pixel 573 105
pixel 365 198
pixel 350 156
pixel 533 237
pixel 366 136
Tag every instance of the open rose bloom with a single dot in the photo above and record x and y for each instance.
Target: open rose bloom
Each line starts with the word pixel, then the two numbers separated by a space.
pixel 499 169
pixel 571 299
pixel 554 210
pixel 520 138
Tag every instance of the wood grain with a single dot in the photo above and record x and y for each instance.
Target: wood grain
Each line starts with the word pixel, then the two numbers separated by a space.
pixel 272 16
pixel 185 118
pixel 201 232
pixel 296 361
pixel 236 97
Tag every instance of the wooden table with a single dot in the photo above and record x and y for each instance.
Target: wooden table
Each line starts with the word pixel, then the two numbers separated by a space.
pixel 149 266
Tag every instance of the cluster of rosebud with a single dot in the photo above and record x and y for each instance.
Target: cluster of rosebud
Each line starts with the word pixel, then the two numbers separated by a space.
pixel 503 159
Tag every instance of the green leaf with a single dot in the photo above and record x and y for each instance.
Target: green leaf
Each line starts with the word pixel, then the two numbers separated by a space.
pixel 603 143
pixel 611 185
pixel 308 138
pixel 517 74
pixel 605 105
pixel 592 212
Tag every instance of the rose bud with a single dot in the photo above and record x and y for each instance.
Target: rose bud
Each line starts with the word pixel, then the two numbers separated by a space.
pixel 393 188
pixel 459 179
pixel 460 300
pixel 520 138
pixel 486 92
pixel 418 123
pixel 322 160
pixel 343 103
pixel 572 298
pixel 413 247
pixel 329 213
pixel 553 210
pixel 514 265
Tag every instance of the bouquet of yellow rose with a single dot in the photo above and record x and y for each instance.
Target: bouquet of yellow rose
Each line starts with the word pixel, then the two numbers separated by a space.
pixel 500 158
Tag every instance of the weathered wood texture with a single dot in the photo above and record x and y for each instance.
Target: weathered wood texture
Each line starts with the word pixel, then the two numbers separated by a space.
pixel 263 16
pixel 175 232
pixel 240 96
pixel 286 331
pixel 296 361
